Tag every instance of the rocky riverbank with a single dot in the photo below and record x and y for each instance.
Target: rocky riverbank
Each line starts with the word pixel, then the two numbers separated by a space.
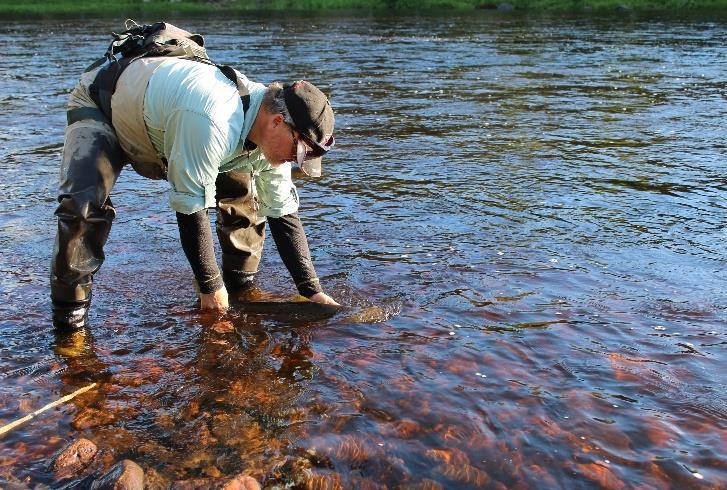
pixel 81 464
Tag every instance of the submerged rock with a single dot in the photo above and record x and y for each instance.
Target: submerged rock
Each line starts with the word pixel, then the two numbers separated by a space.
pixel 73 458
pixel 89 418
pixel 196 484
pixel 240 482
pixel 425 484
pixel 154 481
pixel 464 474
pixel 11 485
pixel 212 471
pixel 124 475
pixel 366 484
pixel 324 481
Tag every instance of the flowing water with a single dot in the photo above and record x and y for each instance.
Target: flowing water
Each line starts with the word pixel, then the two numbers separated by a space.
pixel 527 213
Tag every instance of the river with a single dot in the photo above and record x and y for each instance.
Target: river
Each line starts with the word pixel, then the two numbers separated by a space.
pixel 534 206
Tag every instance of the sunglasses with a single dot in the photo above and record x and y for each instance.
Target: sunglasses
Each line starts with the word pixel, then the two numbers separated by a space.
pixel 307 149
pixel 316 149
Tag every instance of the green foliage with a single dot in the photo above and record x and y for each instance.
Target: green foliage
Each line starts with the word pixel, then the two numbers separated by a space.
pixel 166 8
pixel 611 5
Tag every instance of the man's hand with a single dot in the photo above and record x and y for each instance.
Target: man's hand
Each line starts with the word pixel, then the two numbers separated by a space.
pixel 323 299
pixel 214 301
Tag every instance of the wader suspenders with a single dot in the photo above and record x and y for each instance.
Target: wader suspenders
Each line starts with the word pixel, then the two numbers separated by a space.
pixel 160 40
pixel 146 41
pixel 104 84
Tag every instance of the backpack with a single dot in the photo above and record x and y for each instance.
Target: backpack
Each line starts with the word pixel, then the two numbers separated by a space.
pixel 160 39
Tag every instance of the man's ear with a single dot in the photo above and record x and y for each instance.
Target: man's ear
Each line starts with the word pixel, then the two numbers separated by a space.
pixel 277 120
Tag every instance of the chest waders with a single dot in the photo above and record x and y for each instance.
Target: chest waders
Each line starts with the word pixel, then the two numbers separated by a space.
pixel 92 160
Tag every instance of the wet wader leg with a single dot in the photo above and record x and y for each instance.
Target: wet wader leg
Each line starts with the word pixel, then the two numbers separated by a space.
pixel 240 235
pixel 92 161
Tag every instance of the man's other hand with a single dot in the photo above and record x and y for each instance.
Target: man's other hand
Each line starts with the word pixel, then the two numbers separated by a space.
pixel 323 299
pixel 214 301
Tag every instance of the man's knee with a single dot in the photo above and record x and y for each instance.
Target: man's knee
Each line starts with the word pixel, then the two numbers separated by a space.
pixel 84 207
pixel 232 215
pixel 92 161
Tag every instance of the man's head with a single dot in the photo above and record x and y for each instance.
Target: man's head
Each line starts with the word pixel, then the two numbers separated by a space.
pixel 296 125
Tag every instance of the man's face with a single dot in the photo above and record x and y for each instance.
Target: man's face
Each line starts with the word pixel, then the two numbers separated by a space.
pixel 279 145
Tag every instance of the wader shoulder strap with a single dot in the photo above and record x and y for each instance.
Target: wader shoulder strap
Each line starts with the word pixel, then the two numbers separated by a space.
pixel 104 84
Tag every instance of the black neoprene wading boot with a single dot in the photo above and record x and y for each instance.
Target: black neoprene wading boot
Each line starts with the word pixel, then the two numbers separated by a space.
pixel 68 316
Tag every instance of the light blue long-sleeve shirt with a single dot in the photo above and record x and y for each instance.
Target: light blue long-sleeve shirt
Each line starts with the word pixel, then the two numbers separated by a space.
pixel 194 117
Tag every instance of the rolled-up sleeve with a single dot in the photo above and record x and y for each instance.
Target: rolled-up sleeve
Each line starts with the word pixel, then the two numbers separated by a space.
pixel 277 195
pixel 194 147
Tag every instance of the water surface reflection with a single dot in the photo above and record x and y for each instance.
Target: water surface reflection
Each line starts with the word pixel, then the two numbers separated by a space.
pixel 536 204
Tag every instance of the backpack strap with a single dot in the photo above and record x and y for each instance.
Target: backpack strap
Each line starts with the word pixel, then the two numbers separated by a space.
pixel 104 84
pixel 138 41
pixel 152 40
